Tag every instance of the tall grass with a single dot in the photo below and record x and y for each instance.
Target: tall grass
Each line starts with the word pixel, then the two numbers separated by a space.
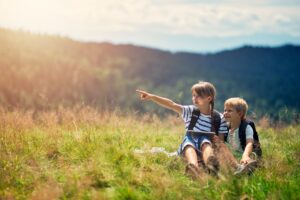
pixel 83 154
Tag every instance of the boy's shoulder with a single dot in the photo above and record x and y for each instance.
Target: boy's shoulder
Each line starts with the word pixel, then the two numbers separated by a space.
pixel 247 123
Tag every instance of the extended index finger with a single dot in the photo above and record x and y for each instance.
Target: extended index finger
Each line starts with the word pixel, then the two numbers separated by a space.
pixel 140 91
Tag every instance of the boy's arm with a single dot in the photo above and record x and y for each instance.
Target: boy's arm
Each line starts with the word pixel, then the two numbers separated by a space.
pixel 248 150
pixel 167 103
pixel 249 145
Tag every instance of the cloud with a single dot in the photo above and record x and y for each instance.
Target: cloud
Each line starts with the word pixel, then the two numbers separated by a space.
pixel 177 17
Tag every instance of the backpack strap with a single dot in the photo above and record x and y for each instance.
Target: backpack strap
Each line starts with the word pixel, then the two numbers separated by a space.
pixel 255 135
pixel 194 118
pixel 242 133
pixel 226 134
pixel 216 122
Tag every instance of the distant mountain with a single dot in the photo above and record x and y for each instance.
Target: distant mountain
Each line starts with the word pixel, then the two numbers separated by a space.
pixel 43 72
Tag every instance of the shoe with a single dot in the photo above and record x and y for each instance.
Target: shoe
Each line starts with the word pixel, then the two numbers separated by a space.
pixel 213 165
pixel 246 168
pixel 192 171
pixel 240 169
pixel 253 156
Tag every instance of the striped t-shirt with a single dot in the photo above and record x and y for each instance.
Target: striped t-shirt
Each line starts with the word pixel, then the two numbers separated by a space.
pixel 204 121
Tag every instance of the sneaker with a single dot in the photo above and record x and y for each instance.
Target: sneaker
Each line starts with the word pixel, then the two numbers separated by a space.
pixel 240 169
pixel 192 171
pixel 213 165
pixel 253 156
pixel 246 168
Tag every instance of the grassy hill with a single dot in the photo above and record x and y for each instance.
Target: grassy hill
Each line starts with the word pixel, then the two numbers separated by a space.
pixel 69 128
pixel 44 72
pixel 85 154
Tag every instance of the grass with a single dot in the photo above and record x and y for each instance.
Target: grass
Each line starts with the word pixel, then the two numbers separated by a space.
pixel 83 154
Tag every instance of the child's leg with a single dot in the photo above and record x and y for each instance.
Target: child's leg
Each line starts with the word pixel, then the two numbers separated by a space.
pixel 224 154
pixel 192 169
pixel 190 155
pixel 207 151
pixel 210 160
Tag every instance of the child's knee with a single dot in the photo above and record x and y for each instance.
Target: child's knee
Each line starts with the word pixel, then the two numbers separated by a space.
pixel 206 147
pixel 189 149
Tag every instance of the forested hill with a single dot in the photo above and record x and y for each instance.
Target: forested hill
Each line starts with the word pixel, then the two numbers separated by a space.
pixel 43 72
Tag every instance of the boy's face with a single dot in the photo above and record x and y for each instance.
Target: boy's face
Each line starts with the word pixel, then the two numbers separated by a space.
pixel 200 101
pixel 231 115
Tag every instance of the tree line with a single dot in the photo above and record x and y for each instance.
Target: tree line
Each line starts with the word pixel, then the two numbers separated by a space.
pixel 43 72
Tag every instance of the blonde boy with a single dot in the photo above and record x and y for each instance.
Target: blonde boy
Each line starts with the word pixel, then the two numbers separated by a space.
pixel 235 110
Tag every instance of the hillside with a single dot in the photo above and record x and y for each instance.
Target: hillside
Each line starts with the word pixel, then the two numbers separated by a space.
pixel 44 72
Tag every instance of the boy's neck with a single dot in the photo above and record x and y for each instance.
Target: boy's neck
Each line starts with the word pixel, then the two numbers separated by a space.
pixel 235 124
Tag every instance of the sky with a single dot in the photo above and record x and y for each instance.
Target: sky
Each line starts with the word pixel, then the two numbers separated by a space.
pixel 173 25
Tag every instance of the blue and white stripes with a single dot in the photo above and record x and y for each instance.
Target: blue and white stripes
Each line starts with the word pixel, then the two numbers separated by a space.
pixel 204 121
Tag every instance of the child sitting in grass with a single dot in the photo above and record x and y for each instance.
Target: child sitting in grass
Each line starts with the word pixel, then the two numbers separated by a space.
pixel 203 97
pixel 241 135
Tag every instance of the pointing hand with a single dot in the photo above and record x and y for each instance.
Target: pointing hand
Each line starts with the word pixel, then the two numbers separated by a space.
pixel 144 95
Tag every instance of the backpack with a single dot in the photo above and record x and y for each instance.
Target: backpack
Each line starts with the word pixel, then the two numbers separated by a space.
pixel 242 137
pixel 216 120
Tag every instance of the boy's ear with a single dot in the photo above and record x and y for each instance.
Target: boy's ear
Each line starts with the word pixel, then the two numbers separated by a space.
pixel 240 114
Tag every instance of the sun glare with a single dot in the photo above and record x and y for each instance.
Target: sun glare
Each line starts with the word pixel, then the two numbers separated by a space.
pixel 32 15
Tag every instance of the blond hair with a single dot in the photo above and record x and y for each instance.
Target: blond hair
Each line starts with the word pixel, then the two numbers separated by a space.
pixel 239 104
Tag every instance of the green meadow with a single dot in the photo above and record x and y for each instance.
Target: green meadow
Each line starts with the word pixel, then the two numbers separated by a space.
pixel 84 154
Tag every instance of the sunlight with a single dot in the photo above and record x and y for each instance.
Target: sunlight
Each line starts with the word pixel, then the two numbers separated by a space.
pixel 179 18
pixel 65 16
pixel 177 22
pixel 32 15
